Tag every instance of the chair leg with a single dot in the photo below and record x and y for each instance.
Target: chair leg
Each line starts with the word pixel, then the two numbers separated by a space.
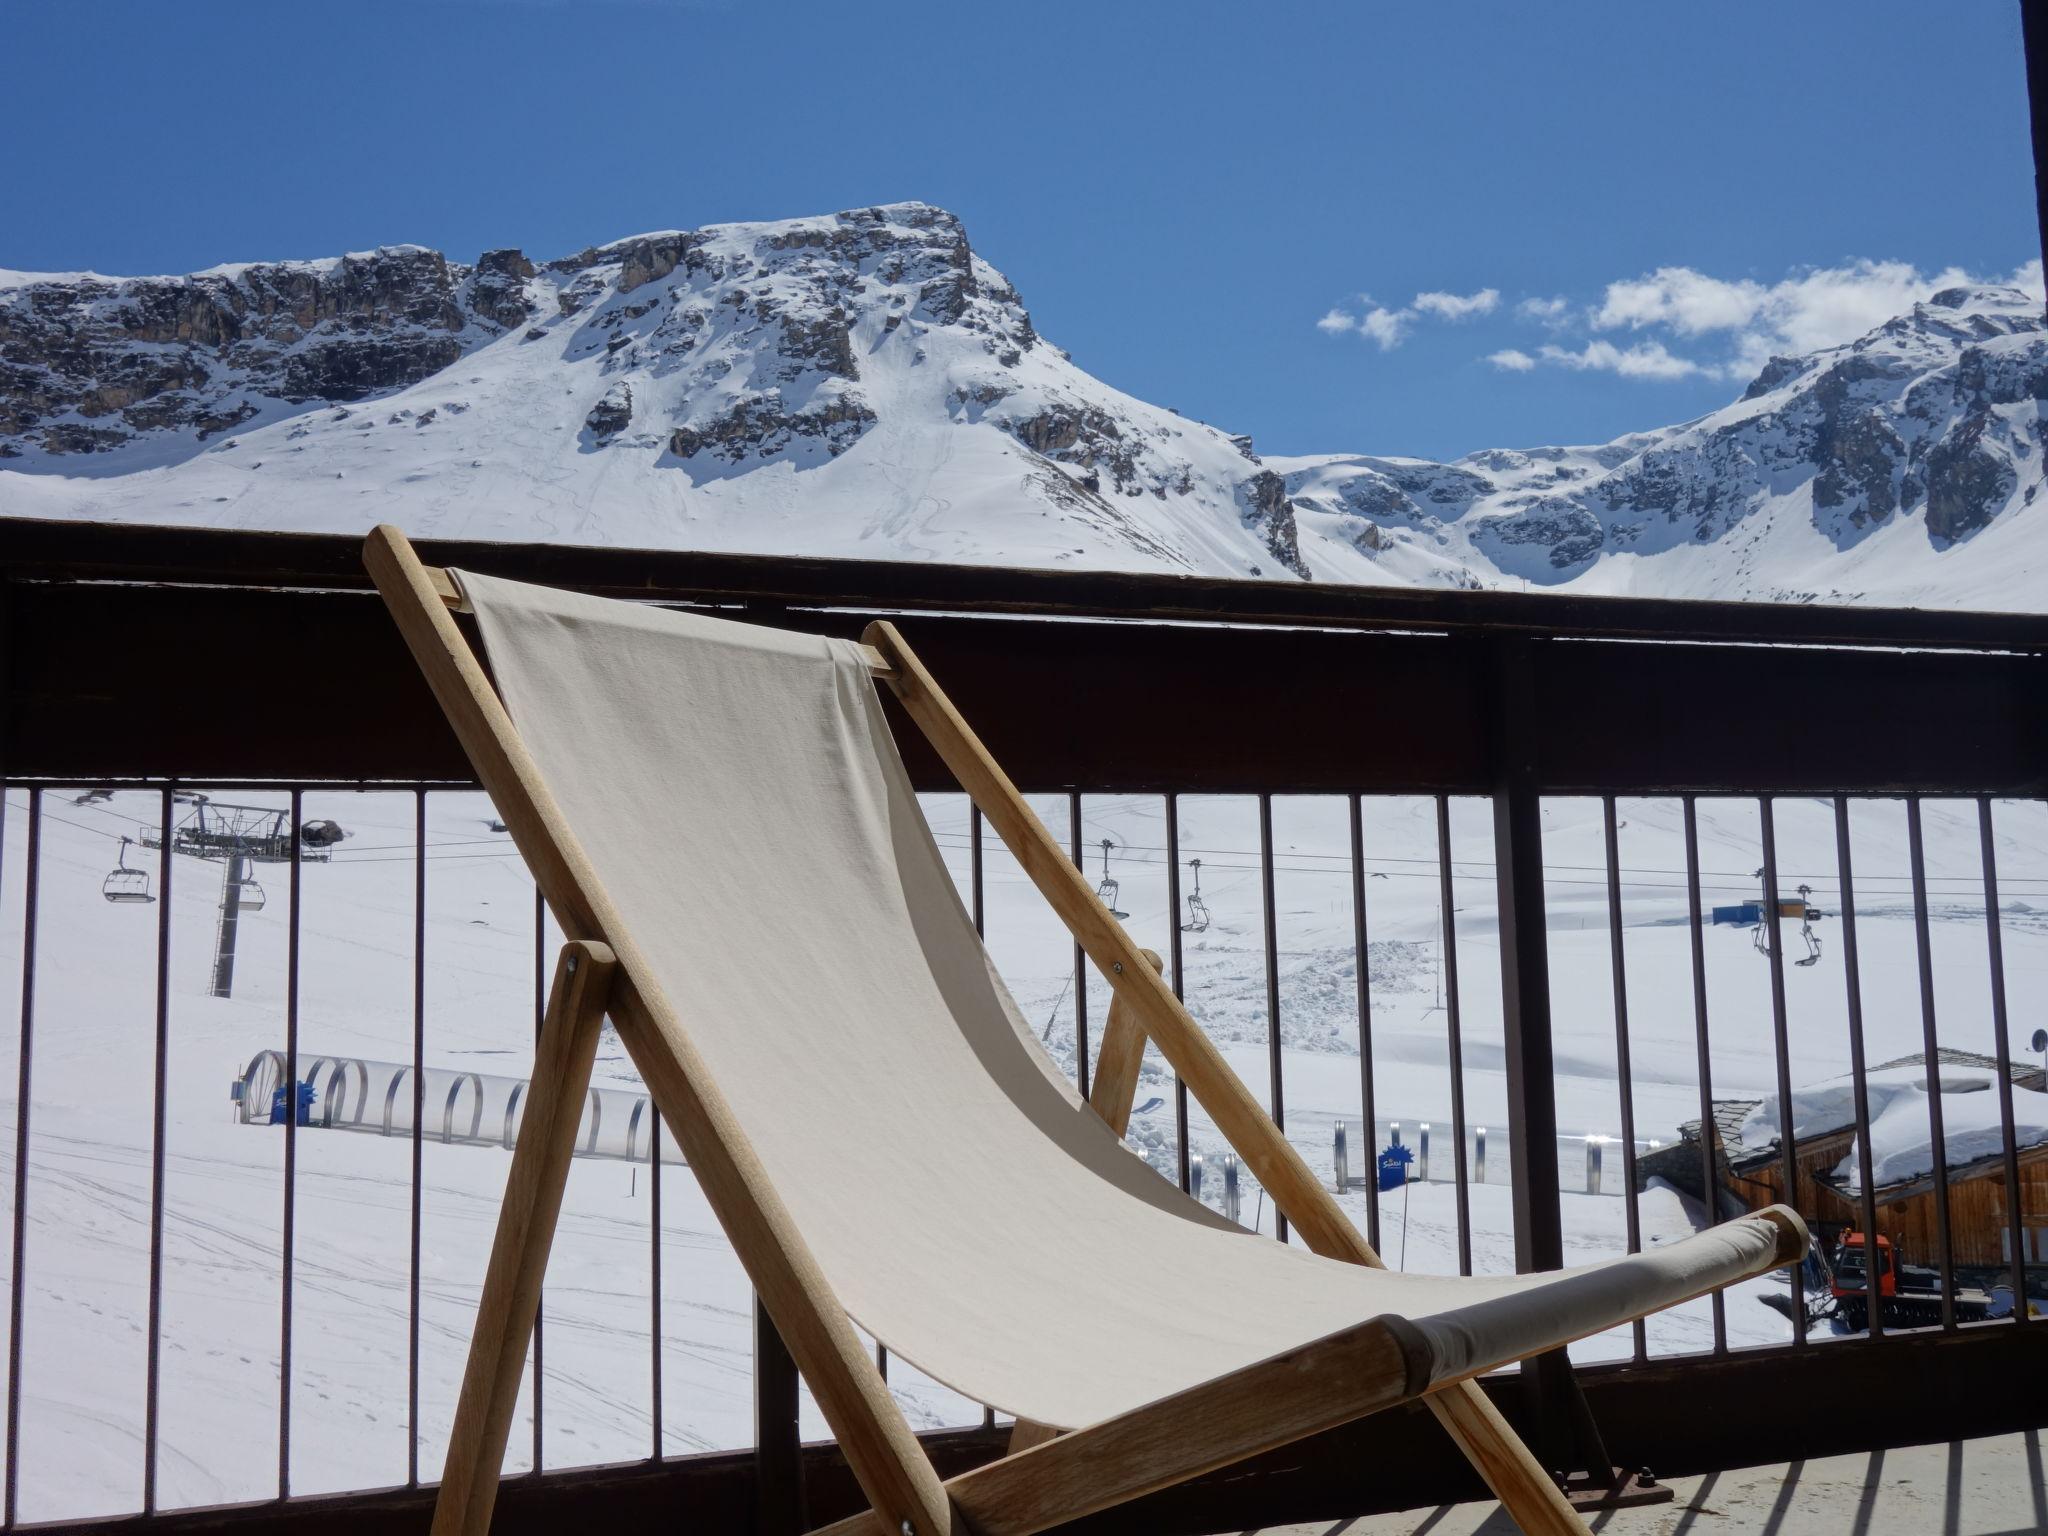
pixel 1026 1433
pixel 526 1227
pixel 1526 1491
pixel 1119 1059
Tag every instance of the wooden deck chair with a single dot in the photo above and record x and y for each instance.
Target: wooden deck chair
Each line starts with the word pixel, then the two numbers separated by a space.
pixel 717 816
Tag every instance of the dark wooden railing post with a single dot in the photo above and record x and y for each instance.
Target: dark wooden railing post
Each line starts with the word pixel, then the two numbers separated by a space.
pixel 778 1451
pixel 1562 1430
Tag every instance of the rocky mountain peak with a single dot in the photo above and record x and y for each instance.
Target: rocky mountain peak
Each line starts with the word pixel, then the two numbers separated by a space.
pixel 705 365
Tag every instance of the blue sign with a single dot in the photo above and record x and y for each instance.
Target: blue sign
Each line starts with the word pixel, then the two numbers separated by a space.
pixel 1394 1166
pixel 279 1099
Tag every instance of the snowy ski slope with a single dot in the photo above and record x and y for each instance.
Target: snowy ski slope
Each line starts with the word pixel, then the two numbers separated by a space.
pixel 86 1270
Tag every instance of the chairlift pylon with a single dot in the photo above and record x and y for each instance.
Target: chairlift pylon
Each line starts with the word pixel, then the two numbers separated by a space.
pixel 1198 910
pixel 124 884
pixel 1106 892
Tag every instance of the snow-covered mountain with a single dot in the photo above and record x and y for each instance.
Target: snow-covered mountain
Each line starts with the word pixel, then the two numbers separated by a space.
pixel 1899 468
pixel 865 384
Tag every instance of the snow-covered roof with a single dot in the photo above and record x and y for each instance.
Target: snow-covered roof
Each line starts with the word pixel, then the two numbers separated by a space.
pixel 1901 1138
pixel 1830 1106
pixel 1902 1144
pixel 2028 1074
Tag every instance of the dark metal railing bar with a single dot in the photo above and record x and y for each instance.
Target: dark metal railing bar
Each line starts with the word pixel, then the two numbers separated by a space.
pixel 31 874
pixel 1788 1156
pixel 1369 1125
pixel 976 888
pixel 654 1166
pixel 977 892
pixel 1995 939
pixel 540 1009
pixel 1270 928
pixel 1709 1184
pixel 414 1199
pixel 1930 1037
pixel 1623 1059
pixel 288 1236
pixel 1447 943
pixel 159 1122
pixel 1080 957
pixel 1858 1076
pixel 1173 948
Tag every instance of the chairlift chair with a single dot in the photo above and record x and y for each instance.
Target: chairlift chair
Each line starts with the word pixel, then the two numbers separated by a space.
pixel 252 895
pixel 1803 909
pixel 1807 919
pixel 1198 910
pixel 125 884
pixel 1106 891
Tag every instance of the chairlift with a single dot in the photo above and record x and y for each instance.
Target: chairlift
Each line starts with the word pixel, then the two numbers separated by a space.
pixel 321 834
pixel 1809 914
pixel 1106 891
pixel 1198 911
pixel 1803 909
pixel 252 895
pixel 125 884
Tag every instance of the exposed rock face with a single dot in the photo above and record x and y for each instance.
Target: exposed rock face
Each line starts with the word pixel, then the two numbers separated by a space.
pixel 611 415
pixel 1968 478
pixel 760 427
pixel 1269 513
pixel 90 364
pixel 648 259
pixel 497 292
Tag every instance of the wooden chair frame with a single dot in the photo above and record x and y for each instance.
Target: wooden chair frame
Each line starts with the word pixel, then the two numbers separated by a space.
pixel 1048 1479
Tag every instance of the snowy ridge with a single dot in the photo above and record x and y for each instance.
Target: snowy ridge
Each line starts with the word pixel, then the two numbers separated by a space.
pixel 866 384
pixel 1898 468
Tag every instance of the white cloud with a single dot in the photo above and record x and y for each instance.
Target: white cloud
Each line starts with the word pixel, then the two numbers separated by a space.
pixel 1644 360
pixel 1744 322
pixel 1376 322
pixel 1687 301
pixel 1812 309
pixel 1388 327
pixel 1454 306
pixel 1729 327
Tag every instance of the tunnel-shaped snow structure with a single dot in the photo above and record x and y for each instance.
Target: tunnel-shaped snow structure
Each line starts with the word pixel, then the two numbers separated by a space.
pixel 350 1093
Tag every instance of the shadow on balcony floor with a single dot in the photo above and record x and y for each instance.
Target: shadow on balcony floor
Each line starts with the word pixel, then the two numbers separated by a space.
pixel 1996 1486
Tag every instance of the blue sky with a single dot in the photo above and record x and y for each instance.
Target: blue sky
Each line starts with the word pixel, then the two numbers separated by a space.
pixel 1229 209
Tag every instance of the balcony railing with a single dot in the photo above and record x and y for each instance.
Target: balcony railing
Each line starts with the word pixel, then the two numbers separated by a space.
pixel 1539 874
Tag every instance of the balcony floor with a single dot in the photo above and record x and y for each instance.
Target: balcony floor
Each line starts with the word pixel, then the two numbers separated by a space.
pixel 1991 1487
